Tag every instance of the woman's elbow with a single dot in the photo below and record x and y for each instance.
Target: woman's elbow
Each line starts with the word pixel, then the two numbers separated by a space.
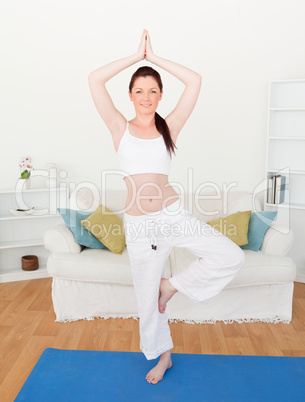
pixel 195 80
pixel 198 80
pixel 199 77
pixel 90 75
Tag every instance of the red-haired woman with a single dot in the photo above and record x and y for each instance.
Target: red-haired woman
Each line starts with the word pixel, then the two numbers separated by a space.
pixel 155 219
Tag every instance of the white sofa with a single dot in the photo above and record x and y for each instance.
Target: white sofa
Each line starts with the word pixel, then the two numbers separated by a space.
pixel 89 283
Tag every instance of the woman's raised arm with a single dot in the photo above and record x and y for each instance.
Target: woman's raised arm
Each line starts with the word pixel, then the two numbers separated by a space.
pixel 113 119
pixel 192 81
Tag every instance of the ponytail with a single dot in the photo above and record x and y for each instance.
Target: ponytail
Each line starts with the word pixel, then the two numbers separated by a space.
pixel 163 129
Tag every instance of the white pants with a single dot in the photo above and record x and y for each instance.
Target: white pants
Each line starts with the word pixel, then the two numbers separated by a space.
pixel 149 239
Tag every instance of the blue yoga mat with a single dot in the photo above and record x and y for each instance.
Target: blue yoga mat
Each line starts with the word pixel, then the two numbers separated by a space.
pixel 77 375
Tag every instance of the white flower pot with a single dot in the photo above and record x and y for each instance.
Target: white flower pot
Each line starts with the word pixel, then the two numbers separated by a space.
pixel 27 184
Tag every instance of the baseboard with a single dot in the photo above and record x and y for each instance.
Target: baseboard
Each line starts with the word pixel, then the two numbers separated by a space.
pixel 300 278
pixel 17 274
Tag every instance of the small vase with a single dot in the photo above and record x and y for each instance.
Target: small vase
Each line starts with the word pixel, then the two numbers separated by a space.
pixel 27 184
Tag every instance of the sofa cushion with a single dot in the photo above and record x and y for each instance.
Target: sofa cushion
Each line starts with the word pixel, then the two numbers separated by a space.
pixel 72 219
pixel 107 227
pixel 258 226
pixel 94 265
pixel 234 226
pixel 258 268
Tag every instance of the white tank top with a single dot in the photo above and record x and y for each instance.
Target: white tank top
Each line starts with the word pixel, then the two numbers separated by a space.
pixel 139 155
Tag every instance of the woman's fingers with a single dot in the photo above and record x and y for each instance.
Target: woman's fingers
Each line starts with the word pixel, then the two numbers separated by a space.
pixel 145 44
pixel 141 49
pixel 149 50
pixel 145 47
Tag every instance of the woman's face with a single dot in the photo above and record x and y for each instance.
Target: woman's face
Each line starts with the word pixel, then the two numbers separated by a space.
pixel 145 95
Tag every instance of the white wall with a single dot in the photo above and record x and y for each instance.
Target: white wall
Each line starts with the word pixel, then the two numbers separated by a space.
pixel 48 49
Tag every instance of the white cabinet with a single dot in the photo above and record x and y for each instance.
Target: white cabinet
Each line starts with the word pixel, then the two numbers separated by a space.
pixel 286 156
pixel 23 235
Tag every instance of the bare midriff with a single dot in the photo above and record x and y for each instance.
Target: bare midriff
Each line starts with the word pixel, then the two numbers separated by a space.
pixel 148 192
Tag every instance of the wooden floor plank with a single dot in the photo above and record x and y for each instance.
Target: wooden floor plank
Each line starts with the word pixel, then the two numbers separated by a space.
pixel 191 339
pixel 212 339
pixel 135 339
pixel 240 346
pixel 299 290
pixel 94 335
pixel 48 326
pixel 263 340
pixel 234 331
pixel 10 290
pixel 177 334
pixel 15 310
pixel 44 298
pixel 294 353
pixel 23 366
pixel 17 339
pixel 298 319
pixel 112 341
pixel 121 324
pixel 301 335
pixel 124 341
pixel 69 335
pixel 286 337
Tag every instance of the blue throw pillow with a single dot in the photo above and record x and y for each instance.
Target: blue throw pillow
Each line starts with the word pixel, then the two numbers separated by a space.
pixel 258 225
pixel 82 236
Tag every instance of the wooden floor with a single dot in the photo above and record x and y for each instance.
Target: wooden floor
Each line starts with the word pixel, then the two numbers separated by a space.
pixel 27 327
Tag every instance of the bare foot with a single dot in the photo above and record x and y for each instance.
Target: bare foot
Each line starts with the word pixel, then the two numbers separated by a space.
pixel 166 292
pixel 156 374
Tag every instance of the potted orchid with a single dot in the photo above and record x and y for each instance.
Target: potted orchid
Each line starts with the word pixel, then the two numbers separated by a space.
pixel 26 167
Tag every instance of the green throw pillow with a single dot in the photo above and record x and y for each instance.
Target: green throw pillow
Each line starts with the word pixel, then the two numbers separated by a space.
pixel 234 226
pixel 108 228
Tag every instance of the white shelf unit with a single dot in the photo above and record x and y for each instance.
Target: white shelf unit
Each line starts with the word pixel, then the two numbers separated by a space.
pixel 23 235
pixel 286 156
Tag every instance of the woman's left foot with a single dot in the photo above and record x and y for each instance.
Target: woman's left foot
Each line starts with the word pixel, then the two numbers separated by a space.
pixel 166 293
pixel 156 374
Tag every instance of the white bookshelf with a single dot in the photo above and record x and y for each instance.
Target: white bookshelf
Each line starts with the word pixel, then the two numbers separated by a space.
pixel 23 235
pixel 286 156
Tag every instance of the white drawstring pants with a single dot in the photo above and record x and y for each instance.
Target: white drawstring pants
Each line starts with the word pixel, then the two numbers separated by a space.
pixel 149 239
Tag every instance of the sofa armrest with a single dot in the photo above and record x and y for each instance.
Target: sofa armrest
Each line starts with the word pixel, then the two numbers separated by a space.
pixel 60 239
pixel 277 241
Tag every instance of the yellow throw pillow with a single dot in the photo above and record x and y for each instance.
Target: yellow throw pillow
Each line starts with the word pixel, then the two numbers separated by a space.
pixel 234 226
pixel 107 227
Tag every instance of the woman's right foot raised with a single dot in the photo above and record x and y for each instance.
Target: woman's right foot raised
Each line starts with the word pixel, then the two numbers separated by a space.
pixel 166 293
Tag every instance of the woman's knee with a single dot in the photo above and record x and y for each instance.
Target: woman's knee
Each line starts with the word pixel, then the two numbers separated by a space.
pixel 233 257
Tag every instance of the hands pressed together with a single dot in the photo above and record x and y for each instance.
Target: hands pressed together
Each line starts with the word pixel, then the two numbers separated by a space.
pixel 145 49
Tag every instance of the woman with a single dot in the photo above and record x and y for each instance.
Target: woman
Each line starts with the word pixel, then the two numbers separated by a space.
pixel 144 148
